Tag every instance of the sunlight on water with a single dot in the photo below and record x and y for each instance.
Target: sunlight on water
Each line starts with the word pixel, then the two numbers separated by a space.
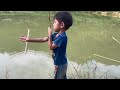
pixel 39 65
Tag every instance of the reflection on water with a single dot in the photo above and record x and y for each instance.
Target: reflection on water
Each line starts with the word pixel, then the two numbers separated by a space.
pixel 39 65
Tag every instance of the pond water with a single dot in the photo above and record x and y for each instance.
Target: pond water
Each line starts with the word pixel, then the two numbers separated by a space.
pixel 89 36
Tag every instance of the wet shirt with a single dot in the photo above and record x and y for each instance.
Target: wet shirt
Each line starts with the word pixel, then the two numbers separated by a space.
pixel 59 54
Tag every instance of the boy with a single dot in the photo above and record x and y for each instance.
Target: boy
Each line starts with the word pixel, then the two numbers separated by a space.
pixel 57 42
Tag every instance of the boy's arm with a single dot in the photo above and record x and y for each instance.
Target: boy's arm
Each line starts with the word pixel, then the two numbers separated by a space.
pixel 50 43
pixel 45 39
pixel 25 39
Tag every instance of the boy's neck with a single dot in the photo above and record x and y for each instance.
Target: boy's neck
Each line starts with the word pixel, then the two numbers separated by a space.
pixel 61 31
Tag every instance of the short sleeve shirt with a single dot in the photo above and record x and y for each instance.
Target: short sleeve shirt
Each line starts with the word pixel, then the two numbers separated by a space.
pixel 60 52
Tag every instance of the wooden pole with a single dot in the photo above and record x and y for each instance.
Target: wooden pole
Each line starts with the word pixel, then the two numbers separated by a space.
pixel 26 46
pixel 107 58
pixel 116 40
pixel 49 20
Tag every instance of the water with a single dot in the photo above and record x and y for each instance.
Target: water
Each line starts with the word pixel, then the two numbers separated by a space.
pixel 39 65
pixel 89 35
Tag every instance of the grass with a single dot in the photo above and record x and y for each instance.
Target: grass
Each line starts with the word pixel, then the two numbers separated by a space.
pixel 82 72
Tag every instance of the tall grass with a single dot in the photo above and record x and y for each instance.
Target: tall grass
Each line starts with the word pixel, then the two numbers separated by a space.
pixel 91 70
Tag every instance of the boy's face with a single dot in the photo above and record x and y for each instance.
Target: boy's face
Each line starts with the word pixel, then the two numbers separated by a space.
pixel 57 26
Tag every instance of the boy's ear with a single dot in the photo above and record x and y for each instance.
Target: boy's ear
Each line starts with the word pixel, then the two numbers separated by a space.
pixel 62 25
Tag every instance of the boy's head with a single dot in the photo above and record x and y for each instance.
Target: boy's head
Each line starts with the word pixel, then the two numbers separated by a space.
pixel 64 19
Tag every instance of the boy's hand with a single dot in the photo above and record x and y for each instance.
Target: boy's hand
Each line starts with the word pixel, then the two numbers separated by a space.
pixel 49 31
pixel 23 38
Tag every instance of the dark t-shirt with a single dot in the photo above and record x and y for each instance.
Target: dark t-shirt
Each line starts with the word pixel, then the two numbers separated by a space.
pixel 60 51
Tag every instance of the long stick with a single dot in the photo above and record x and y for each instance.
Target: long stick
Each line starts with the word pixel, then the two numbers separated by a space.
pixel 116 40
pixel 106 58
pixel 27 42
pixel 49 19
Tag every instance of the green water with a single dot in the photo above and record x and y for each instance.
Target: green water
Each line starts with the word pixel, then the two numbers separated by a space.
pixel 89 35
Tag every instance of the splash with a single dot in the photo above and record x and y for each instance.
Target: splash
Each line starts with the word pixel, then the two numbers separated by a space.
pixel 39 65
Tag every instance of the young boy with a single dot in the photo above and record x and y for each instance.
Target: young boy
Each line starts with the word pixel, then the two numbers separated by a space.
pixel 57 42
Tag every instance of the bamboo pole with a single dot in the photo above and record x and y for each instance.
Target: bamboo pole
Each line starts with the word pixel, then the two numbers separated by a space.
pixel 107 58
pixel 49 20
pixel 26 46
pixel 116 40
